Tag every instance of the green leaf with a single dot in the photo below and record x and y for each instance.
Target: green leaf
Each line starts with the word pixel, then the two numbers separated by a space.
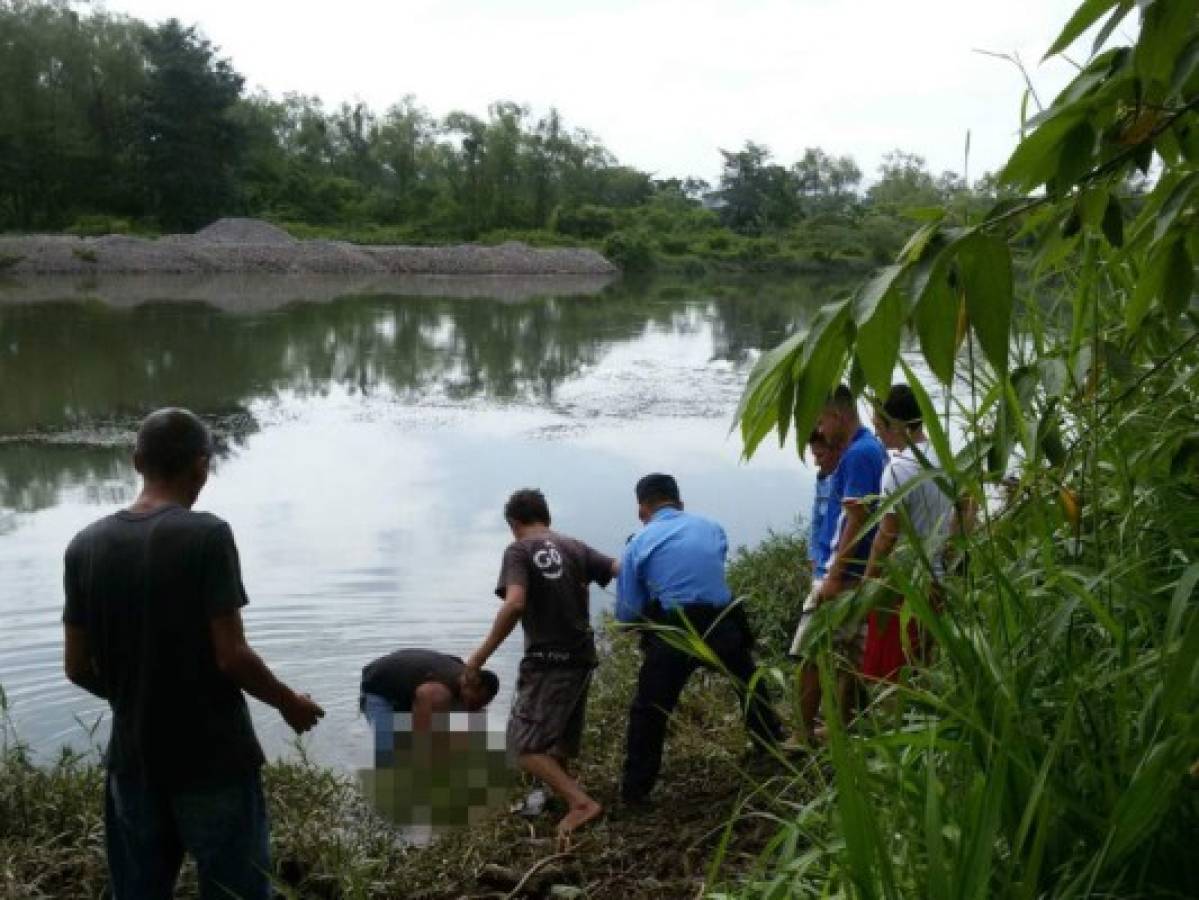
pixel 1109 26
pixel 1084 17
pixel 1091 205
pixel 913 250
pixel 1036 158
pixel 824 364
pixel 936 326
pixel 1113 222
pixel 932 419
pixel 871 294
pixel 1164 28
pixel 1186 457
pixel 878 340
pixel 985 266
pixel 1077 154
pixel 1178 281
pixel 1167 277
pixel 1174 204
pixel 1188 60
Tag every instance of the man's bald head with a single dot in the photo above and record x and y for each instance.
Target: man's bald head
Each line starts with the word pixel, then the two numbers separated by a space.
pixel 172 444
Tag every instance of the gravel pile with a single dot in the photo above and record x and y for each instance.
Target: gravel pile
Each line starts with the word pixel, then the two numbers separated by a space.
pixel 254 246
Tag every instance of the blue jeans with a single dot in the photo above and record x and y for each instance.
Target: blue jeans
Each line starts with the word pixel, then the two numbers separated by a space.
pixel 223 827
pixel 379 713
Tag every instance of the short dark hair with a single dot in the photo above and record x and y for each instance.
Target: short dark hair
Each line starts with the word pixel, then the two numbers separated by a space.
pixel 170 440
pixel 658 487
pixel 841 397
pixel 901 406
pixel 527 507
pixel 491 682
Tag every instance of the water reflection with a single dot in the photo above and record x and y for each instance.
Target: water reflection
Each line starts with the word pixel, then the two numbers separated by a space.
pixel 74 364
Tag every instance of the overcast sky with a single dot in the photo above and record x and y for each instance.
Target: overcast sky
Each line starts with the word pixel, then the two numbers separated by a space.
pixel 665 83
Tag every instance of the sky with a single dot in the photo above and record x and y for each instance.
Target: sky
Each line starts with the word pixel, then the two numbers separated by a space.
pixel 665 84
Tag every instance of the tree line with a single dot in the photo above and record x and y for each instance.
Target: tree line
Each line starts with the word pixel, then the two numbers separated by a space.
pixel 109 123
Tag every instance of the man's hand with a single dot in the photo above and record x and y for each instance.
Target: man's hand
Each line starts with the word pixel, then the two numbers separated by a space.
pixel 301 712
pixel 470 677
pixel 830 588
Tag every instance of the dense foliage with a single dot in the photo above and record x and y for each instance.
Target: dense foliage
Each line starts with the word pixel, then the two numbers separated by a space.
pixel 108 123
pixel 1046 752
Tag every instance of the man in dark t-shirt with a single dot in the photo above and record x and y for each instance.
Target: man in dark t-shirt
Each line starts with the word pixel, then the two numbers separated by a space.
pixel 153 625
pixel 422 682
pixel 544 579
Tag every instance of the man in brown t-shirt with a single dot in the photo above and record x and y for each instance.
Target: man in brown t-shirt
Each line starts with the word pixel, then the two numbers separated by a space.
pixel 544 582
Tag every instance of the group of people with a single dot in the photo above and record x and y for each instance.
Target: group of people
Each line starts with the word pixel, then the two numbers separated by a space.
pixel 153 625
pixel 895 466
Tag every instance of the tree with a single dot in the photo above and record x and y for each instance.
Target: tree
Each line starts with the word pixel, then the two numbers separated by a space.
pixel 756 195
pixel 904 182
pixel 191 141
pixel 826 183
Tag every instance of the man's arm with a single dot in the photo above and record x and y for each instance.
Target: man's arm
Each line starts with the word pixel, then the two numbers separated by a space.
pixel 630 593
pixel 505 620
pixel 78 662
pixel 855 515
pixel 237 660
pixel 429 698
pixel 884 542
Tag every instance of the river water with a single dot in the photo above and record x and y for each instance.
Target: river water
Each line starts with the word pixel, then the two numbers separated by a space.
pixel 371 439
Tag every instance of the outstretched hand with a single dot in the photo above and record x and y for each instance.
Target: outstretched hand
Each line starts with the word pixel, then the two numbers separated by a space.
pixel 302 713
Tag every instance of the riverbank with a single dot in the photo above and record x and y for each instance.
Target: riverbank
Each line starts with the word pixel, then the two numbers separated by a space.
pixel 327 843
pixel 252 246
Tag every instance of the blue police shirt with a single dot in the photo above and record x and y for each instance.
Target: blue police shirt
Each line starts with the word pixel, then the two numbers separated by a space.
pixel 857 476
pixel 676 559
pixel 823 525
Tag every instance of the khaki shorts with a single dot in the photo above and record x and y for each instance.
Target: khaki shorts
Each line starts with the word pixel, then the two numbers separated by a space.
pixel 849 640
pixel 549 710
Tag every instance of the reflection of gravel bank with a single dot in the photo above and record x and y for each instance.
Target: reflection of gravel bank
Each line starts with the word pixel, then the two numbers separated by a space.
pixel 254 292
pixel 252 246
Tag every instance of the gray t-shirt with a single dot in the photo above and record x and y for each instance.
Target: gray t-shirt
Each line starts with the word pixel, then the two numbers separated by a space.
pixel 145 588
pixel 555 572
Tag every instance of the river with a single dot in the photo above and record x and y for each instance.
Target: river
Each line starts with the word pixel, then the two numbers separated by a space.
pixel 370 440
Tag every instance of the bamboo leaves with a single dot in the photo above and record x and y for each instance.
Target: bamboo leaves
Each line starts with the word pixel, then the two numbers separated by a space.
pixel 878 312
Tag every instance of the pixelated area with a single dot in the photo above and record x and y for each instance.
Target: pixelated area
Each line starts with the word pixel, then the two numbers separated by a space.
pixel 449 776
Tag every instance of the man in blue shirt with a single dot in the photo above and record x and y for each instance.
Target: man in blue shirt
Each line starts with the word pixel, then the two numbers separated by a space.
pixel 855 482
pixel 672 573
pixel 822 527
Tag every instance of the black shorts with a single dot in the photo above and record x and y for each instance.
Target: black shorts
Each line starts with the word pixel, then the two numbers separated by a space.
pixel 550 706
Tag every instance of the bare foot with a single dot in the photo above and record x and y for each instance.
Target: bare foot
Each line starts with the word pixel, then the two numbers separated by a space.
pixel 577 817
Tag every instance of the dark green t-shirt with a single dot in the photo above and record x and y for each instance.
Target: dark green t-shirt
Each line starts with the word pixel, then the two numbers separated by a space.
pixel 145 587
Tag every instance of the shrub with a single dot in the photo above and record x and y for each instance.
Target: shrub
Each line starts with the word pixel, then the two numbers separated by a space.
pixel 630 250
pixel 586 221
pixel 99 225
pixel 674 244
pixel 773 580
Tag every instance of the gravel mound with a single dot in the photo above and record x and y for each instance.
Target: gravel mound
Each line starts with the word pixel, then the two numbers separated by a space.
pixel 251 246
pixel 243 231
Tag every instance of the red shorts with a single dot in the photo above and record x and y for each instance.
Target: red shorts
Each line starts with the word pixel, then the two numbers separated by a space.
pixel 885 654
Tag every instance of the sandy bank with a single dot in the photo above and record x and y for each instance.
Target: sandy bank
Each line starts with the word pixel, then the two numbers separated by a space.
pixel 250 246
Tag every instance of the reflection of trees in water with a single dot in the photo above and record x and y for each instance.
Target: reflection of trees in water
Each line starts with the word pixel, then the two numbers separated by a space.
pixel 86 366
pixel 73 364
pixel 34 475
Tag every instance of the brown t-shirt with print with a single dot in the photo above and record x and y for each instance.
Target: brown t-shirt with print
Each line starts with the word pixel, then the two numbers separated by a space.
pixel 555 572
